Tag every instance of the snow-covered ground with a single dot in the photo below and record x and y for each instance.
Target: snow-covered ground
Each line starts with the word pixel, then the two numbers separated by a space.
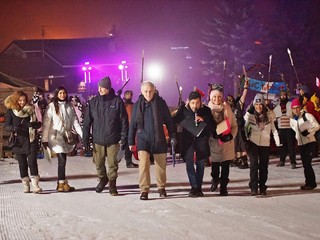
pixel 285 213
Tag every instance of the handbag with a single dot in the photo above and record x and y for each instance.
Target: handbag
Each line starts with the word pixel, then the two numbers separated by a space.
pixel 71 137
pixel 12 140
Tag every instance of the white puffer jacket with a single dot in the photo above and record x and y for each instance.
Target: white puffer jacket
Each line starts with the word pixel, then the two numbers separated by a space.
pixel 54 127
pixel 261 137
pixel 296 126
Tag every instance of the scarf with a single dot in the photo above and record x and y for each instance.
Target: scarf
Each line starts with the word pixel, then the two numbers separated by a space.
pixel 155 112
pixel 27 111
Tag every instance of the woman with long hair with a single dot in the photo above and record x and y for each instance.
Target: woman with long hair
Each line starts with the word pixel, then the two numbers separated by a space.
pixel 22 122
pixel 60 117
pixel 259 125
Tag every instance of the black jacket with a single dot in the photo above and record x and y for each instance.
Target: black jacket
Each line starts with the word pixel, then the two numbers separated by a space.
pixel 201 143
pixel 21 127
pixel 108 118
pixel 146 125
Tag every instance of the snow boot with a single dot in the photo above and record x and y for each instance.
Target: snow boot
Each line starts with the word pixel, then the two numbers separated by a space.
pixel 63 186
pixel 35 184
pixel 26 184
pixel 102 183
pixel 223 187
pixel 113 188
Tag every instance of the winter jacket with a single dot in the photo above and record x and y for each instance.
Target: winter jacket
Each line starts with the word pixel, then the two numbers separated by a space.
pixel 200 143
pixel 108 118
pixel 296 126
pixel 55 125
pixel 258 136
pixel 283 117
pixel 20 125
pixel 147 125
pixel 224 151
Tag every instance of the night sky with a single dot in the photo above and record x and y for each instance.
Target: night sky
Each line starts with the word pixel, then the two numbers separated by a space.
pixel 142 23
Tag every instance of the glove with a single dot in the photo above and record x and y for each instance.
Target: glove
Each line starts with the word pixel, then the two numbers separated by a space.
pixel 305 133
pixel 35 125
pixel 225 138
pixel 45 145
pixel 173 142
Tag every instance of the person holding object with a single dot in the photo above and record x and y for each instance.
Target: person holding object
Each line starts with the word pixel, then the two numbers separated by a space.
pixel 305 126
pixel 259 123
pixel 60 118
pixel 222 144
pixel 21 121
pixel 108 118
pixel 194 142
pixel 149 114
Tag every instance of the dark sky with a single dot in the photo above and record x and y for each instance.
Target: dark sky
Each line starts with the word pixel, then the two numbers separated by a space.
pixel 21 19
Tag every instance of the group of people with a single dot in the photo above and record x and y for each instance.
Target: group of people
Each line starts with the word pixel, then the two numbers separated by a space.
pixel 220 131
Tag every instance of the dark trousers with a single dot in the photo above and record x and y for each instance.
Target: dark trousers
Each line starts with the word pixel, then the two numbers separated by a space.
pixel 195 175
pixel 287 139
pixel 26 161
pixel 127 155
pixel 259 160
pixel 62 161
pixel 306 158
pixel 225 169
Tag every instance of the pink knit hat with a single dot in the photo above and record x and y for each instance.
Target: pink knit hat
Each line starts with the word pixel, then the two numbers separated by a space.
pixel 295 103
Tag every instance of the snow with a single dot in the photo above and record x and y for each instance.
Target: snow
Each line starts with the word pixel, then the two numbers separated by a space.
pixel 285 213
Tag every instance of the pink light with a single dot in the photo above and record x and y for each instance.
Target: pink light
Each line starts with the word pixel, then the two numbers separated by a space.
pixel 84 68
pixel 89 68
pixel 86 63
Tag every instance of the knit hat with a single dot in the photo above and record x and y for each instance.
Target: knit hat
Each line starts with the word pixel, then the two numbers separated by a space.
pixel 295 103
pixel 105 83
pixel 259 98
pixel 194 95
pixel 304 88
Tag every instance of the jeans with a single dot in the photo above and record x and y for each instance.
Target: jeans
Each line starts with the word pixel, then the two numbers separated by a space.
pixel 26 161
pixel 62 161
pixel 259 160
pixel 306 158
pixel 195 175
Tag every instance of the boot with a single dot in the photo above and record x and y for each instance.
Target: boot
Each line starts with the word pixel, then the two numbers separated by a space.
pixel 236 162
pixel 101 185
pixel 113 188
pixel 223 187
pixel 244 163
pixel 214 185
pixel 35 184
pixel 63 186
pixel 26 184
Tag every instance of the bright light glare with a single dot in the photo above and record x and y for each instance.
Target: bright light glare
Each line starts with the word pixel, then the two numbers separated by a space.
pixel 120 67
pixel 84 68
pixel 154 71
